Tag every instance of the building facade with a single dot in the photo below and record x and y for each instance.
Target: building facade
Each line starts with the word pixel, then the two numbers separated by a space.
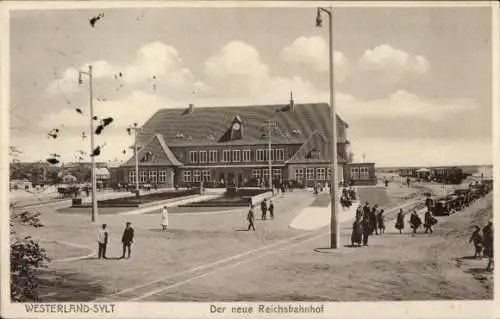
pixel 233 145
pixel 360 174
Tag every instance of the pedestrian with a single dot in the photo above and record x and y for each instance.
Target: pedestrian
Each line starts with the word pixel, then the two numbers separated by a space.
pixel 250 218
pixel 381 221
pixel 359 212
pixel 102 242
pixel 357 233
pixel 366 210
pixel 488 244
pixel 366 227
pixel 386 182
pixel 164 218
pixel 263 209
pixel 400 221
pixel 429 221
pixel 271 209
pixel 408 180
pixel 477 240
pixel 373 219
pixel 415 221
pixel 127 239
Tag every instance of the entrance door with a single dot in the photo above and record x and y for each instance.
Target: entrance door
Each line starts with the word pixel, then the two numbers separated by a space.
pixel 230 178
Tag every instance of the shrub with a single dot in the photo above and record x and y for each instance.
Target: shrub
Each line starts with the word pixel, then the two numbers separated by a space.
pixel 27 258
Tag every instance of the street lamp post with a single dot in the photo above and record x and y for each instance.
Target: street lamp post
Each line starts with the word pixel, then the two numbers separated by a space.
pixel 334 225
pixel 92 158
pixel 135 128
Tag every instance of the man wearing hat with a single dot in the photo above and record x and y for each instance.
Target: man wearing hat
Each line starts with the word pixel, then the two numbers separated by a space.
pixel 102 242
pixel 127 239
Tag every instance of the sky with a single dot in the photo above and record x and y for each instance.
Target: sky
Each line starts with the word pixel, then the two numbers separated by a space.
pixel 414 84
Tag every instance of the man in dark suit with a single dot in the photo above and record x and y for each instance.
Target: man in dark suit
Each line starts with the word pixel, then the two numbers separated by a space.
pixel 127 239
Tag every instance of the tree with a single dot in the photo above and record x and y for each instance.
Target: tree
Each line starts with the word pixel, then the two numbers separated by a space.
pixel 27 258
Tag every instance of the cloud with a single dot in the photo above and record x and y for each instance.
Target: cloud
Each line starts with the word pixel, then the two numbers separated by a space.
pixel 312 52
pixel 155 63
pixel 388 59
pixel 236 68
pixel 402 104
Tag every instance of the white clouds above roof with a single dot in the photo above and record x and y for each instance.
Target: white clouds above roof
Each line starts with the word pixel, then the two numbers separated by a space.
pixel 387 58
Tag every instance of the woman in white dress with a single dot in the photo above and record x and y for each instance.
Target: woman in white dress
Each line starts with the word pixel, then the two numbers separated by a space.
pixel 164 218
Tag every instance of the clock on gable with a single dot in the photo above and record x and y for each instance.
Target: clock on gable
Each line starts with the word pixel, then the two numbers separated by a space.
pixel 237 128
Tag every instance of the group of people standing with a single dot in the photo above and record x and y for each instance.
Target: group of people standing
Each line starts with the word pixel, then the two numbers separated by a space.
pixel 371 220
pixel 265 206
pixel 368 220
pixel 103 241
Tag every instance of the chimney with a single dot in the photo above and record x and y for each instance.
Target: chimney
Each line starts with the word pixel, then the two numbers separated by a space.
pixel 190 108
pixel 292 105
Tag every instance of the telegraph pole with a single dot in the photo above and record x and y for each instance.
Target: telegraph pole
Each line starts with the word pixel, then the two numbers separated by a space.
pixel 92 158
pixel 334 224
pixel 269 154
pixel 135 128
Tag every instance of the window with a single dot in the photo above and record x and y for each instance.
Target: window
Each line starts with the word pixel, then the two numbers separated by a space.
pixel 299 174
pixel 354 172
pixel 265 174
pixel 277 173
pixel 153 177
pixel 196 176
pixel 193 156
pixel 131 177
pixel 256 173
pixel 280 155
pixel 236 156
pixel 310 174
pixel 246 155
pixel 329 173
pixel 259 155
pixel 206 176
pixel 363 173
pixel 143 177
pixel 162 176
pixel 203 156
pixel 187 176
pixel 213 157
pixel 320 174
pixel 225 155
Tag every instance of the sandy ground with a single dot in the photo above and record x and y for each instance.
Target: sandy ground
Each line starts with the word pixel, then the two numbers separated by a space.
pixel 206 257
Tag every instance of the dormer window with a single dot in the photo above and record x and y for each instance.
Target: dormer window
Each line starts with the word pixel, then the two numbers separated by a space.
pixel 148 157
pixel 179 136
pixel 296 132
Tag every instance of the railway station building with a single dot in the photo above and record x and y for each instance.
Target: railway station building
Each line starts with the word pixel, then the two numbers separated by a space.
pixel 230 145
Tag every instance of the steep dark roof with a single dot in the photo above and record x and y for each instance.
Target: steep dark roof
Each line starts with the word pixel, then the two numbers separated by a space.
pixel 162 155
pixel 206 125
pixel 316 142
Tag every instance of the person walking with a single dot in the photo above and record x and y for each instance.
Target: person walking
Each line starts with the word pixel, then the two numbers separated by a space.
pixel 366 226
pixel 477 240
pixel 373 219
pixel 381 221
pixel 263 208
pixel 400 221
pixel 250 218
pixel 429 221
pixel 359 212
pixel 271 209
pixel 357 233
pixel 127 239
pixel 164 218
pixel 102 242
pixel 415 221
pixel 488 244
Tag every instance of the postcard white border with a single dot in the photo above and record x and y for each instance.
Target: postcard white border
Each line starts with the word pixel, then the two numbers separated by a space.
pixel 414 309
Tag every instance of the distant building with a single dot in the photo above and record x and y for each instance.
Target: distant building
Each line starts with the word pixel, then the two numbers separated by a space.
pixel 226 145
pixel 360 174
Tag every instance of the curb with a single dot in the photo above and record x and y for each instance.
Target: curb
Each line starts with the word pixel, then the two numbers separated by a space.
pixel 93 252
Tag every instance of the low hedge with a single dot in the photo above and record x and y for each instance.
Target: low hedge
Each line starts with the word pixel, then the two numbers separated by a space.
pixel 144 199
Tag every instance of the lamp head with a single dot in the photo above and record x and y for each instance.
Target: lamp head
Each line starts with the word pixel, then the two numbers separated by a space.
pixel 80 80
pixel 319 21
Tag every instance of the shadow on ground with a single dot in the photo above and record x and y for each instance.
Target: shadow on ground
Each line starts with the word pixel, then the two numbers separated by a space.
pixel 68 287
